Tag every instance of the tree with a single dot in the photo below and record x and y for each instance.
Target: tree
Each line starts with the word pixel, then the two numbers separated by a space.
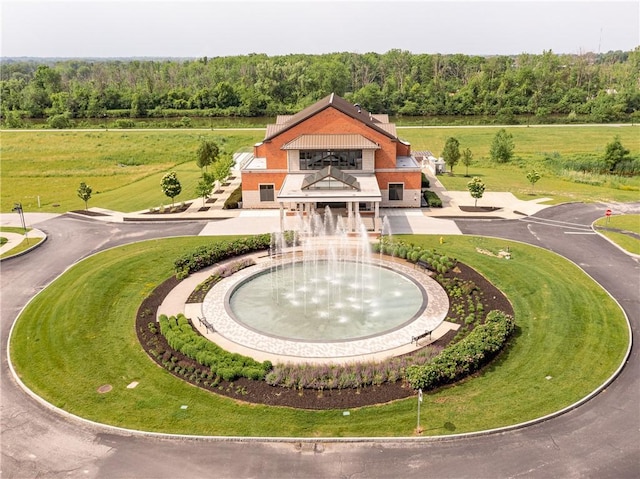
pixel 207 153
pixel 502 146
pixel 476 188
pixel 467 159
pixel 615 153
pixel 533 176
pixel 84 193
pixel 170 185
pixel 204 189
pixel 222 169
pixel 451 152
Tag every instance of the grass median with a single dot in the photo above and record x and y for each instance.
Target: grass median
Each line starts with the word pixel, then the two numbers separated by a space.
pixel 78 335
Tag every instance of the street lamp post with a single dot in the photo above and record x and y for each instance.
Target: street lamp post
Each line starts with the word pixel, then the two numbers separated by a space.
pixel 17 207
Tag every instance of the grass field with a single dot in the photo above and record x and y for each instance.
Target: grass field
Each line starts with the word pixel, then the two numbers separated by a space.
pixel 124 167
pixel 630 223
pixel 531 146
pixel 78 334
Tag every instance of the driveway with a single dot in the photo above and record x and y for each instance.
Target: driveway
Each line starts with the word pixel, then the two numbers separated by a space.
pixel 599 439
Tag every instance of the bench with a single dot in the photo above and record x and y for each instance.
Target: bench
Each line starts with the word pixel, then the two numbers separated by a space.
pixel 422 264
pixel 206 324
pixel 415 339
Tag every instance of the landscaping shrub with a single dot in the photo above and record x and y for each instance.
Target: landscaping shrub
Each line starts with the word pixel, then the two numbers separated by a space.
pixel 432 199
pixel 229 366
pixel 207 255
pixel 231 203
pixel 466 356
pixel 425 181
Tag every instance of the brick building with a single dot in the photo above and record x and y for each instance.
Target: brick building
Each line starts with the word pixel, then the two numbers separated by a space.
pixel 332 153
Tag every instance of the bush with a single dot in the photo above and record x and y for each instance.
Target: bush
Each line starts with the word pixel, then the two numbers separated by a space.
pixel 231 203
pixel 182 338
pixel 124 123
pixel 425 181
pixel 466 356
pixel 59 121
pixel 204 256
pixel 432 199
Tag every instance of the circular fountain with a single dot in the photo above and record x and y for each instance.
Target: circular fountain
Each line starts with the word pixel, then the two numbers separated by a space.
pixel 322 293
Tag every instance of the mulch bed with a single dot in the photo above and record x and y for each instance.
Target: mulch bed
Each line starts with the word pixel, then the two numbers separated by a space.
pixel 211 200
pixel 203 208
pixel 479 209
pixel 88 213
pixel 170 210
pixel 259 392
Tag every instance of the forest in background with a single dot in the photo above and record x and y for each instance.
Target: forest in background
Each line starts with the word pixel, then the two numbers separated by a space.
pixel 544 88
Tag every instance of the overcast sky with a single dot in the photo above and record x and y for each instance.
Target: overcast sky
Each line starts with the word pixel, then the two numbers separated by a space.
pixel 139 28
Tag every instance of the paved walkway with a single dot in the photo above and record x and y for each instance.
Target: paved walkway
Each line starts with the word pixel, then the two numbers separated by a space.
pixel 15 239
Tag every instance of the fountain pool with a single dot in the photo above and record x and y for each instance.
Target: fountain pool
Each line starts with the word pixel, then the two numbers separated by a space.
pixel 327 303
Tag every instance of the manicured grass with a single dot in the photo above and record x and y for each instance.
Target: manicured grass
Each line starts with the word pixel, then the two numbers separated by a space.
pixel 124 168
pixel 25 245
pixel 532 145
pixel 623 222
pixel 14 229
pixel 78 334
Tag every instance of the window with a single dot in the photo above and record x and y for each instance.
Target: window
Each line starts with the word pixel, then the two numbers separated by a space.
pixel 396 191
pixel 267 193
pixel 343 159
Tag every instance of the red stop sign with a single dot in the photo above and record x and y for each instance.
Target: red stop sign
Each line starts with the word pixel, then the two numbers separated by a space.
pixel 608 213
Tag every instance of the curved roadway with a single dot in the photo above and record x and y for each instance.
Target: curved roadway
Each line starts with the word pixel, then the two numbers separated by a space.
pixel 600 439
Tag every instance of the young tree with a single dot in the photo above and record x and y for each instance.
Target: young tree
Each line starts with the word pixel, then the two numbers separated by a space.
pixel 170 185
pixel 84 193
pixel 204 189
pixel 207 153
pixel 451 152
pixel 615 153
pixel 476 188
pixel 467 159
pixel 222 169
pixel 502 146
pixel 533 176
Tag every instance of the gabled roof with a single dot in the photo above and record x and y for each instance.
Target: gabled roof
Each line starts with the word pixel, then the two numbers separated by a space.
pixel 284 123
pixel 321 142
pixel 331 172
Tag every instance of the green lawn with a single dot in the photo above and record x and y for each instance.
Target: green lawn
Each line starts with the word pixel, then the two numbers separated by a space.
pixel 629 223
pixel 78 334
pixel 531 146
pixel 124 167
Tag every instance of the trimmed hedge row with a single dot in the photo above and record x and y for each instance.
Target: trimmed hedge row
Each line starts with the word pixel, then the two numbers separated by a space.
pixel 465 357
pixel 432 199
pixel 412 253
pixel 228 366
pixel 204 256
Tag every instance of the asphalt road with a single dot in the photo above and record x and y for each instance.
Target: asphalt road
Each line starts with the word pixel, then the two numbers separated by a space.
pixel 600 438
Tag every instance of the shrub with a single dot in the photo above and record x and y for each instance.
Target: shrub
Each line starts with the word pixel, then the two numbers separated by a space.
pixel 466 356
pixel 432 199
pixel 181 337
pixel 231 203
pixel 425 181
pixel 207 255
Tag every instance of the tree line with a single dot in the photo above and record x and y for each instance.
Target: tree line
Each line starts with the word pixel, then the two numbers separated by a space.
pixel 581 87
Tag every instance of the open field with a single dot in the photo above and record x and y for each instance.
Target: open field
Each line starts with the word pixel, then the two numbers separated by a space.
pixel 124 167
pixel 531 146
pixel 74 337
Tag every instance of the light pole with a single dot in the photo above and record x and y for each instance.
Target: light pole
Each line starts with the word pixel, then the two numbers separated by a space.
pixel 17 207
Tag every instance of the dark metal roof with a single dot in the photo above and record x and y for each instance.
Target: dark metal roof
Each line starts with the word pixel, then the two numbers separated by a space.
pixel 354 111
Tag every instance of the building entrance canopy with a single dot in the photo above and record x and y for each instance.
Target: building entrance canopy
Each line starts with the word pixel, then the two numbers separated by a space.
pixel 293 190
